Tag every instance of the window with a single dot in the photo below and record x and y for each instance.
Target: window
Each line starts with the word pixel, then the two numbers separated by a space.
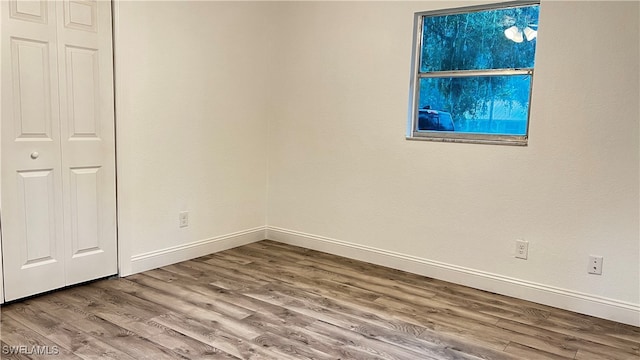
pixel 472 73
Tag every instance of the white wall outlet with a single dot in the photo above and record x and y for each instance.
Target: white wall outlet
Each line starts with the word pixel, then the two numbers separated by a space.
pixel 522 249
pixel 183 218
pixel 595 265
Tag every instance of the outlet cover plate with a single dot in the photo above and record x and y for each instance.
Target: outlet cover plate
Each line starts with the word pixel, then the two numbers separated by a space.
pixel 183 218
pixel 522 249
pixel 595 265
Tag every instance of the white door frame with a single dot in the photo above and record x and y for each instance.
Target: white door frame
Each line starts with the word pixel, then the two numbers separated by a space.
pixel 124 247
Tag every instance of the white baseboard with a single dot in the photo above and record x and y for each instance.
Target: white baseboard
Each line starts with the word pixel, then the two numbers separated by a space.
pixel 174 254
pixel 601 307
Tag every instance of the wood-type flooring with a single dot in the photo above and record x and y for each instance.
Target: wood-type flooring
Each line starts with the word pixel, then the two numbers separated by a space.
pixel 269 300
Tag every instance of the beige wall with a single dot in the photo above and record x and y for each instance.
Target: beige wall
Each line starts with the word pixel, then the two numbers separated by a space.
pixel 342 177
pixel 190 121
pixel 211 93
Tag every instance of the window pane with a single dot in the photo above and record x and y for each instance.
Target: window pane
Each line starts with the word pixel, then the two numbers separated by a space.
pixel 490 39
pixel 478 104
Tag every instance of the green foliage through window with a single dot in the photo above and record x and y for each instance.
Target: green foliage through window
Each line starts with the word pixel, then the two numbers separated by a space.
pixel 474 66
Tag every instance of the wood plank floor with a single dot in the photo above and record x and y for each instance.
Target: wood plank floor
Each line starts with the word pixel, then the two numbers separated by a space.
pixel 273 301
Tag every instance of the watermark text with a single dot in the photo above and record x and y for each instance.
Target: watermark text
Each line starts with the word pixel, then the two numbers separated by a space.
pixel 30 350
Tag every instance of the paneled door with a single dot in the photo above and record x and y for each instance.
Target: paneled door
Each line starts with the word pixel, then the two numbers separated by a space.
pixel 58 154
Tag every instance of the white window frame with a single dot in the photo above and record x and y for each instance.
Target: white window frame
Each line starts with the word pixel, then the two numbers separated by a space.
pixel 416 75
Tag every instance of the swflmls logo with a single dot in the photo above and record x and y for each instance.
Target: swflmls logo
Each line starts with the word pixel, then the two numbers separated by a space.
pixel 30 350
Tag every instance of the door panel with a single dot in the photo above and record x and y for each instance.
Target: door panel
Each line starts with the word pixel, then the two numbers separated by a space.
pixel 83 91
pixel 32 88
pixel 32 223
pixel 85 212
pixel 36 204
pixel 80 15
pixel 35 11
pixel 88 147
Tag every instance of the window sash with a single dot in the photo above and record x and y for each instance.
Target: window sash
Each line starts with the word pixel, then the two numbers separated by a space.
pixel 474 73
pixel 469 137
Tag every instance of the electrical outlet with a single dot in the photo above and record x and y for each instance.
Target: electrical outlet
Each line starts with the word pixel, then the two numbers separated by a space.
pixel 595 265
pixel 522 249
pixel 183 218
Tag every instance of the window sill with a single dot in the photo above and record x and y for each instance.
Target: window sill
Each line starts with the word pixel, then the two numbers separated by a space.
pixel 471 140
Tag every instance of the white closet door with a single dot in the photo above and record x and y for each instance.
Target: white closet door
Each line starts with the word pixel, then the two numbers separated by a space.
pixel 32 223
pixel 85 67
pixel 1 276
pixel 58 157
